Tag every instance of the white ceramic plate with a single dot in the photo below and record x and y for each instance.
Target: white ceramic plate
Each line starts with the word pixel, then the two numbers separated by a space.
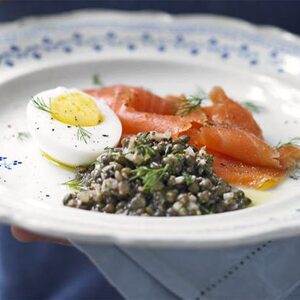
pixel 167 55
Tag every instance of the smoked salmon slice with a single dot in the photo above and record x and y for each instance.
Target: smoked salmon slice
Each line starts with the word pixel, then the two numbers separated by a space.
pixel 240 173
pixel 237 143
pixel 140 110
pixel 137 98
pixel 227 129
pixel 289 155
pixel 225 111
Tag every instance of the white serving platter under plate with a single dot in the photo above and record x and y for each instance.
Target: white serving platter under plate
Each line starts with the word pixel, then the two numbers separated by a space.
pixel 167 55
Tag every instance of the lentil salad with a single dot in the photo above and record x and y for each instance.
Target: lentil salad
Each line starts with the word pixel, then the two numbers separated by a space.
pixel 152 174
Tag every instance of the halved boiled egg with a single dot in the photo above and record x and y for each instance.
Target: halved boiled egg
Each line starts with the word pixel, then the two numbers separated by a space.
pixel 71 127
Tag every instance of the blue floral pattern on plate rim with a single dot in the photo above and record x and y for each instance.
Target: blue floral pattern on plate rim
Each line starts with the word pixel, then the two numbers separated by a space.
pixel 67 38
pixel 7 163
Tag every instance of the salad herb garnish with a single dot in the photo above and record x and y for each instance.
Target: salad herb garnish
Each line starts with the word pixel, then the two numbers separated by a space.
pixel 189 104
pixel 97 80
pixel 149 176
pixel 40 104
pixel 142 147
pixel 83 134
pixel 188 179
pixel 252 106
pixel 23 136
pixel 146 151
pixel 292 141
pixel 200 92
pixel 296 173
pixel 75 184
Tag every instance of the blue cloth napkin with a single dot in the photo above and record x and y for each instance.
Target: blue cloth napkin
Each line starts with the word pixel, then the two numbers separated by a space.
pixel 268 270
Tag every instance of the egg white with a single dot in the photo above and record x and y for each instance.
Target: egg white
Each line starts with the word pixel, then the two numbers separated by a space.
pixel 60 140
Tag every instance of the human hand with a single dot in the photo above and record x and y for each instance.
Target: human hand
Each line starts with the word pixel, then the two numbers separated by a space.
pixel 25 236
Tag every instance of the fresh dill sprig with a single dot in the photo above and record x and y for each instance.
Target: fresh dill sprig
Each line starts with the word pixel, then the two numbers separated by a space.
pixel 142 147
pixel 83 134
pixel 97 80
pixel 296 174
pixel 40 104
pixel 188 179
pixel 252 106
pixel 200 92
pixel 145 150
pixel 112 150
pixel 292 141
pixel 142 137
pixel 188 105
pixel 74 184
pixel 23 136
pixel 150 177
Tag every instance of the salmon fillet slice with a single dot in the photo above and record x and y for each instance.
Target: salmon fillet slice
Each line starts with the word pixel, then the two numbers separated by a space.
pixel 140 110
pixel 225 111
pixel 236 143
pixel 227 129
pixel 240 173
pixel 289 156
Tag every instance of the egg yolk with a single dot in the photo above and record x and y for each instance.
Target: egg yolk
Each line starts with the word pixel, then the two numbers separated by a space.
pixel 76 109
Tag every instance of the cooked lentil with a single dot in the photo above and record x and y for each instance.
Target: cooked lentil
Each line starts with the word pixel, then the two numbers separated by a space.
pixel 153 175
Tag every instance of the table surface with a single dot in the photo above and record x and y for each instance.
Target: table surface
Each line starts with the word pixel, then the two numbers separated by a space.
pixel 281 13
